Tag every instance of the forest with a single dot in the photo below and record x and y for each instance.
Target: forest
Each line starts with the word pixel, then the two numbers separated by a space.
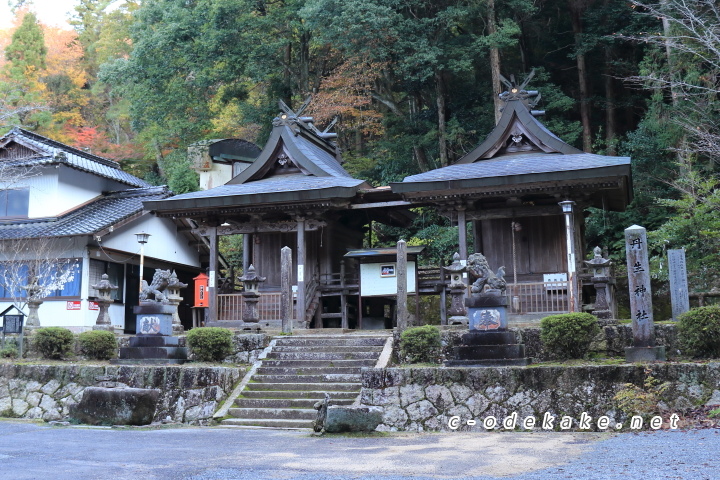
pixel 413 85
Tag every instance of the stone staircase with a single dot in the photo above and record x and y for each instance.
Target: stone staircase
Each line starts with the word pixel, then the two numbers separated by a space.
pixel 298 372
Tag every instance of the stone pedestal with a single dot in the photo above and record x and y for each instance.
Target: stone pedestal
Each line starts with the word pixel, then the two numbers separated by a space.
pixel 644 354
pixel 488 343
pixel 33 319
pixel 153 343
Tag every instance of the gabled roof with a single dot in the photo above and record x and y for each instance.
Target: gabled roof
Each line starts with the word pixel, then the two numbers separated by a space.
pixel 521 151
pixel 50 152
pixel 108 210
pixel 298 164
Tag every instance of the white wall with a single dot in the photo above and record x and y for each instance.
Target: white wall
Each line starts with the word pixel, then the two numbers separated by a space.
pixel 55 190
pixel 373 283
pixel 165 242
pixel 219 175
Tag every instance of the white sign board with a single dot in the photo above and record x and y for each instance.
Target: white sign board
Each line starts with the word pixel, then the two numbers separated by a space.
pixel 381 278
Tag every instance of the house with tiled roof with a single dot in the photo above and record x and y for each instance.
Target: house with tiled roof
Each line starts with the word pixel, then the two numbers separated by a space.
pixel 88 209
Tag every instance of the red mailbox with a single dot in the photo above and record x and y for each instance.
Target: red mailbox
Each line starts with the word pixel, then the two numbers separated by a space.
pixel 201 290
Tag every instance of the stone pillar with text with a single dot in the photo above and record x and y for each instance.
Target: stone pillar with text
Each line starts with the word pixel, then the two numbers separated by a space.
pixel 643 328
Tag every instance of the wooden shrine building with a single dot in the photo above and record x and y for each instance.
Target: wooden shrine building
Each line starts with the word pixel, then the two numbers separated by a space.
pixel 523 189
pixel 297 194
pixel 511 187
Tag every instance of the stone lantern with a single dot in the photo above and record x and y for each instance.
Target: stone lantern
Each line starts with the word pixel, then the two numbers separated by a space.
pixel 105 289
pixel 34 300
pixel 458 312
pixel 251 295
pixel 173 298
pixel 604 284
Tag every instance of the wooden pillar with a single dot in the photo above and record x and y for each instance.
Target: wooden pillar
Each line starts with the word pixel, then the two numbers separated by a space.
pixel 343 296
pixel 402 308
pixel 247 251
pixel 212 274
pixel 462 233
pixel 301 270
pixel 477 236
pixel 286 289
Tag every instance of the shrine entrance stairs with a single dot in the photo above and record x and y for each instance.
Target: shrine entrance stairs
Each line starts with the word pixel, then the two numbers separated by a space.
pixel 297 373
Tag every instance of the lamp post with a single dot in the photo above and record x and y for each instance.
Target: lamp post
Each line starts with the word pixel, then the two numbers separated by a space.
pixel 142 239
pixel 567 208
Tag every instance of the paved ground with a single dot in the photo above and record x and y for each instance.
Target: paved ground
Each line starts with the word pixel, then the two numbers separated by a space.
pixel 36 451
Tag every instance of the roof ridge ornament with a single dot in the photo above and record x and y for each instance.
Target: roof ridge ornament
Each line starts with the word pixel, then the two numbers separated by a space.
pixel 291 118
pixel 529 98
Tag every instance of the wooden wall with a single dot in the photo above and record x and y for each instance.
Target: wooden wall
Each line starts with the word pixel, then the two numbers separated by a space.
pixel 540 246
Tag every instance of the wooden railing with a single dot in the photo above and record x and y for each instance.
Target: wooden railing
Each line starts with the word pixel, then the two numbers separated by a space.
pixel 231 306
pixel 538 297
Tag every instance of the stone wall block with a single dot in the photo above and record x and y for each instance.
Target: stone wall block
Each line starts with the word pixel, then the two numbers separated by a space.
pixel 477 404
pixel 5 403
pixel 387 396
pixel 460 392
pixel 394 416
pixel 33 399
pixel 50 387
pixel 496 393
pixel 521 399
pixel 194 397
pixel 19 407
pixel 439 396
pixel 410 394
pixel 34 412
pixel 421 411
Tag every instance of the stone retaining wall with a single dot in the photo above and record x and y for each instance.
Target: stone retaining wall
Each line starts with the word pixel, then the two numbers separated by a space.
pixel 188 394
pixel 421 399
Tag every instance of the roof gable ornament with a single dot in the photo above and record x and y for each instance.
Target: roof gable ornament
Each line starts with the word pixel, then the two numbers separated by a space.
pixel 518 131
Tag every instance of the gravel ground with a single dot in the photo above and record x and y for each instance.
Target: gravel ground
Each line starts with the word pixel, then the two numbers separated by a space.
pixel 36 451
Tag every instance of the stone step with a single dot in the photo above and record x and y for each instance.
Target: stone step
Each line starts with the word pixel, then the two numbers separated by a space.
pixel 327 348
pixel 302 386
pixel 304 394
pixel 275 413
pixel 369 362
pixel 308 370
pixel 323 378
pixel 488 352
pixel 320 340
pixel 307 403
pixel 264 422
pixel 504 362
pixel 322 355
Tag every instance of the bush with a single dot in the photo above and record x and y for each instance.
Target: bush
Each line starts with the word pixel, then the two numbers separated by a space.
pixel 98 344
pixel 10 351
pixel 699 332
pixel 53 342
pixel 210 344
pixel 421 344
pixel 568 335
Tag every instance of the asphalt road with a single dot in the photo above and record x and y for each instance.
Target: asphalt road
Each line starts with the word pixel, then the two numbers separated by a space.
pixel 36 451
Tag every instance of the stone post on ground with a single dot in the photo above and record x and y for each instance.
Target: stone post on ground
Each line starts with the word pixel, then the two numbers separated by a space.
pixel 174 299
pixel 402 306
pixel 679 296
pixel 643 328
pixel 105 289
pixel 286 306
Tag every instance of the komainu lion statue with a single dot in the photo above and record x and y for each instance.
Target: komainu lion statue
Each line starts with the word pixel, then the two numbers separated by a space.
pixel 154 291
pixel 479 269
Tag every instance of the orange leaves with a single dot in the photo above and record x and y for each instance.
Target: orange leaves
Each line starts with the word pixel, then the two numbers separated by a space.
pixel 347 93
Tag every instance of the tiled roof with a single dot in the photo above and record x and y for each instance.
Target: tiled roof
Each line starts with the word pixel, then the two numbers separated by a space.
pixel 53 152
pixel 519 164
pixel 320 156
pixel 284 183
pixel 102 213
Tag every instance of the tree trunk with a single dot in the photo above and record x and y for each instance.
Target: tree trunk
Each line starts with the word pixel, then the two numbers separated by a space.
pixel 668 53
pixel 610 112
pixel 494 62
pixel 442 137
pixel 576 11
